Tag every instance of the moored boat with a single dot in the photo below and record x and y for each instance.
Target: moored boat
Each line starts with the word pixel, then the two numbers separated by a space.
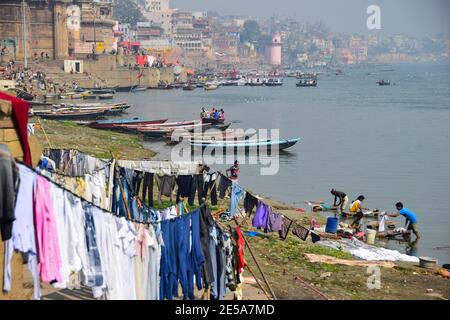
pixel 274 82
pixel 246 144
pixel 125 88
pixel 114 124
pixel 105 96
pixel 72 114
pixel 138 89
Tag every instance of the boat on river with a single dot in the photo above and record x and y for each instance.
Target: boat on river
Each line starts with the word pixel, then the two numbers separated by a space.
pixel 247 145
pixel 163 131
pixel 111 124
pixel 384 83
pixel 307 83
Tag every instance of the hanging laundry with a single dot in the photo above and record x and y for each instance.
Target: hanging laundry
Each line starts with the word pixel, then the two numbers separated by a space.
pixel 285 227
pixel 274 222
pixel 224 184
pixel 62 225
pixel 197 186
pixel 300 231
pixel 9 184
pixel 166 185
pixel 197 256
pixel 147 188
pixel 206 224
pixel 49 260
pixel 168 261
pixel 250 202
pixel 94 275
pixel 237 193
pixel 261 216
pixel 314 237
pixel 184 186
pixel 240 242
pixel 23 232
pixel 210 186
pixel 153 279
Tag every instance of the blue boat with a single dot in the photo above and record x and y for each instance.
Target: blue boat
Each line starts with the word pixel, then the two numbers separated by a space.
pixel 246 144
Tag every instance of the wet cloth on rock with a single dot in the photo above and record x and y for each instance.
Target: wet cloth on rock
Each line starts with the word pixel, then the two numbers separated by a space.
pixel 364 251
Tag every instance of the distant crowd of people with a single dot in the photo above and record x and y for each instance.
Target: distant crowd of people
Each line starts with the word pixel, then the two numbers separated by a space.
pixel 212 114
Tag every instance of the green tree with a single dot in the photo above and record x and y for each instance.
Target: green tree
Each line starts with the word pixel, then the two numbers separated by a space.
pixel 127 11
pixel 250 32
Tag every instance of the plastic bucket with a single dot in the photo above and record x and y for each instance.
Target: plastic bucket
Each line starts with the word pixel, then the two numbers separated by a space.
pixel 370 236
pixel 332 223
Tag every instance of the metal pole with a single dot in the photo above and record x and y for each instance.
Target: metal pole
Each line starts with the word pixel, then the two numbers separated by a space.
pixel 24 34
pixel 95 39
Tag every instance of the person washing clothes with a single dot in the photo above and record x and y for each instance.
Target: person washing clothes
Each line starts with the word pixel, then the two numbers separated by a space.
pixel 343 199
pixel 411 219
pixel 356 209
pixel 233 172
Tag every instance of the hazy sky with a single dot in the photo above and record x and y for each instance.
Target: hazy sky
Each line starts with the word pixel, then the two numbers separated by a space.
pixel 410 17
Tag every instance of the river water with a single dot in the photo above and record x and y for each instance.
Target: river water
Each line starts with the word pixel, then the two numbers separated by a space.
pixel 389 143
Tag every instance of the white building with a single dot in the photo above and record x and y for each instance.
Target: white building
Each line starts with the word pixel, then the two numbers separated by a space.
pixel 159 12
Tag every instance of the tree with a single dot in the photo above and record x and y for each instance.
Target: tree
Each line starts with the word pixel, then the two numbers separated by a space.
pixel 127 11
pixel 251 31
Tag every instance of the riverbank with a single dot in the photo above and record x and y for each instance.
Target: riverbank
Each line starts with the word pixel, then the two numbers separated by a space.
pixel 285 264
pixel 98 143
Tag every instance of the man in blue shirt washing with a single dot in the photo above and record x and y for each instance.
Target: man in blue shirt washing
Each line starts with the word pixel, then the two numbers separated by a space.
pixel 411 219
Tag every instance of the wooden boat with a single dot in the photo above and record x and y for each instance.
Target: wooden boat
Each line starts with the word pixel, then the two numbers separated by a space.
pixel 137 89
pixel 125 88
pixel 115 124
pixel 51 96
pixel 21 94
pixel 274 82
pixel 307 83
pixel 384 83
pixel 246 144
pixel 101 90
pixel 76 96
pixel 210 86
pixel 168 124
pixel 227 134
pixel 110 108
pixel 105 96
pixel 160 132
pixel 90 97
pixel 74 114
pixel 188 87
pixel 213 121
pixel 255 82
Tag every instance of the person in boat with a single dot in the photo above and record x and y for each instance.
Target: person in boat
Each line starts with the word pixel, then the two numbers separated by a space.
pixel 343 199
pixel 233 172
pixel 222 114
pixel 356 210
pixel 216 114
pixel 203 113
pixel 411 219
